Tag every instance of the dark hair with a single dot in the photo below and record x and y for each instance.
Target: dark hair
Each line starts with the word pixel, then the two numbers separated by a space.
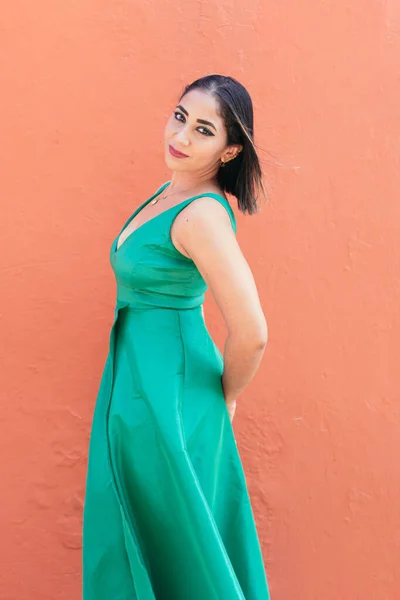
pixel 242 176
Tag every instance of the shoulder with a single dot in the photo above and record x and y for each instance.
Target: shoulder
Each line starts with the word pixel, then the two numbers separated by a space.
pixel 205 229
pixel 208 213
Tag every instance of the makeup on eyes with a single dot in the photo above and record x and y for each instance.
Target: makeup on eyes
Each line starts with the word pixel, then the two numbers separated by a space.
pixel 202 121
pixel 209 134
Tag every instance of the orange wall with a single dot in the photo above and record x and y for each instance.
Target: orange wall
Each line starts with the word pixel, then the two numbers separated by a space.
pixel 86 88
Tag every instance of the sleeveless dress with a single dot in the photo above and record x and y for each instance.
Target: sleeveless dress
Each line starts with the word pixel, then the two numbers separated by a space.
pixel 167 514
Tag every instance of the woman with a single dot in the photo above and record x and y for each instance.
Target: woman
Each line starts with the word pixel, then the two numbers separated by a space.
pixel 167 513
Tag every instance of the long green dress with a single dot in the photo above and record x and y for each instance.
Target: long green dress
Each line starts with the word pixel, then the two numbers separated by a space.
pixel 167 514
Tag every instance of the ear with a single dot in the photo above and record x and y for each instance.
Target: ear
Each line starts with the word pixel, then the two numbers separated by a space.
pixel 231 152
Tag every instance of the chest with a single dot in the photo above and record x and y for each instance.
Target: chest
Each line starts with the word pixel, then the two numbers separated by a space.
pixel 147 215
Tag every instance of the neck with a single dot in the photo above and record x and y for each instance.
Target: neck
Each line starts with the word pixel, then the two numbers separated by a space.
pixel 181 181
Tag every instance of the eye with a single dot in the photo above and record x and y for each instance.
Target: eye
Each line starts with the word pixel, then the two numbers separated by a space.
pixel 180 117
pixel 208 132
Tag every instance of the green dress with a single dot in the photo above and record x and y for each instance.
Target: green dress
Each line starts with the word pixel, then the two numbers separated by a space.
pixel 167 514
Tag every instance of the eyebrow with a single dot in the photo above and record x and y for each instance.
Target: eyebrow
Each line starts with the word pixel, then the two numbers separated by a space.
pixel 198 120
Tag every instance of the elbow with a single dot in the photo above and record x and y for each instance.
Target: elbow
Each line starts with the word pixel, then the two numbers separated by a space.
pixel 251 335
pixel 260 342
pixel 260 334
pixel 257 338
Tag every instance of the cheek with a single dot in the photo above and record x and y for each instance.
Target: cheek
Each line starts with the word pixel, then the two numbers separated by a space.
pixel 169 127
pixel 210 149
pixel 166 134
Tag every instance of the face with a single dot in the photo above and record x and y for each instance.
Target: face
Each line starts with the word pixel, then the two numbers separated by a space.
pixel 195 129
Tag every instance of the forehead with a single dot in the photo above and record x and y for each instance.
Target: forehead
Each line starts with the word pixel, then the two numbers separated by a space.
pixel 201 105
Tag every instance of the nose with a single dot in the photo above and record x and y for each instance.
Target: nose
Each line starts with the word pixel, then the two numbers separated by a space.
pixel 182 138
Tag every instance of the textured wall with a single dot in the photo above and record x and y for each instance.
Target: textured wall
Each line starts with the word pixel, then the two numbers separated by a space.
pixel 85 90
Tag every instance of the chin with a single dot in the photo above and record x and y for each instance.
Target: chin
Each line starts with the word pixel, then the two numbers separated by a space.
pixel 174 163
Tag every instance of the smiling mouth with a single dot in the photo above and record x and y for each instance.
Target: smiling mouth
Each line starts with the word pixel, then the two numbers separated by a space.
pixel 176 153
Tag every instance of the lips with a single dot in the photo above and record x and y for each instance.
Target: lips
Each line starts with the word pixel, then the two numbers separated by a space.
pixel 176 153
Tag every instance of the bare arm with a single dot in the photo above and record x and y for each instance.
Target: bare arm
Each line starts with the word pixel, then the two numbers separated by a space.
pixel 203 229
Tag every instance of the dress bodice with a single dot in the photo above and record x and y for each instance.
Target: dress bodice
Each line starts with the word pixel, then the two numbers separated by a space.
pixel 150 271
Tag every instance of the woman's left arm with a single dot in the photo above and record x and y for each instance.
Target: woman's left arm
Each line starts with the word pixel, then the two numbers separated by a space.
pixel 203 229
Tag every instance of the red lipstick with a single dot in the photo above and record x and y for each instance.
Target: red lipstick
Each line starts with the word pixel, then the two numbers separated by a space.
pixel 176 153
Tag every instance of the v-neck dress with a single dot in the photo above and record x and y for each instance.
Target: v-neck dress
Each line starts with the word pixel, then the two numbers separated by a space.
pixel 167 514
